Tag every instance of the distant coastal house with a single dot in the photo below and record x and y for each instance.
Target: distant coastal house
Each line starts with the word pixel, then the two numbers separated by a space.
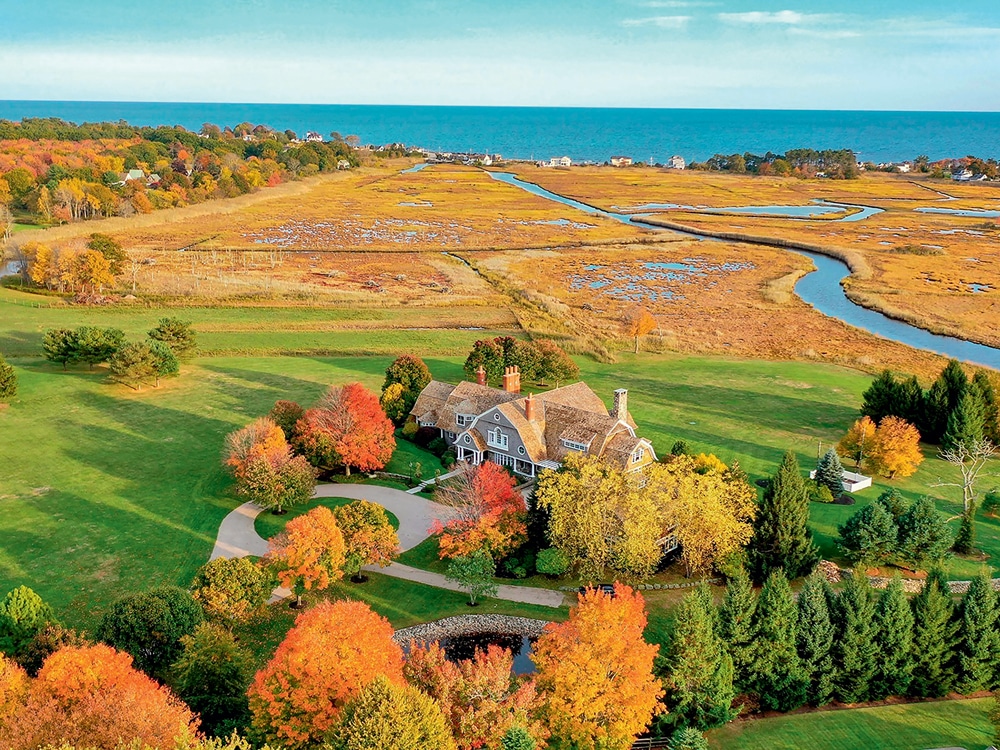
pixel 621 161
pixel 530 433
pixel 560 161
pixel 676 162
pixel 133 175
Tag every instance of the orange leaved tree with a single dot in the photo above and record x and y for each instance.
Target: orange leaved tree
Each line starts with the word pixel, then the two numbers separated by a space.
pixel 13 692
pixel 362 433
pixel 595 673
pixel 858 442
pixel 309 553
pixel 486 512
pixel 896 449
pixel 333 651
pixel 638 322
pixel 92 696
pixel 481 697
pixel 265 470
pixel 369 538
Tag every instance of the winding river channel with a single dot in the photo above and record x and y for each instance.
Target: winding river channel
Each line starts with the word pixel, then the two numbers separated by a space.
pixel 820 288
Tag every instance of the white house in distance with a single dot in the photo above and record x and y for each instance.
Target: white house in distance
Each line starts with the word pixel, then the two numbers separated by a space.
pixel 557 161
pixel 621 161
pixel 676 162
pixel 531 433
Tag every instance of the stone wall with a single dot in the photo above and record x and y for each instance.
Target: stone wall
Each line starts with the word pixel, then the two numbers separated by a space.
pixel 450 627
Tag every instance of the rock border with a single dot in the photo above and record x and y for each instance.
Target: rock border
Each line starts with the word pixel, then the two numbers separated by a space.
pixel 450 627
pixel 834 574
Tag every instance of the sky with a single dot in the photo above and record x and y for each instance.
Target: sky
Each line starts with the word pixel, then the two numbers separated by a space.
pixel 790 54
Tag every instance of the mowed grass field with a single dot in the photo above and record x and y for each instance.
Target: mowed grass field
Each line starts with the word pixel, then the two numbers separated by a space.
pixel 912 726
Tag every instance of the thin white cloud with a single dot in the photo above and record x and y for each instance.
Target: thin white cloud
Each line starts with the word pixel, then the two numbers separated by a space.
pixel 664 22
pixel 676 4
pixel 786 17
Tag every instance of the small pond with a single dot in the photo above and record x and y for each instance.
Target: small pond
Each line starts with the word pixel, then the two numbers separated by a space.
pixel 461 647
pixel 967 212
pixel 416 168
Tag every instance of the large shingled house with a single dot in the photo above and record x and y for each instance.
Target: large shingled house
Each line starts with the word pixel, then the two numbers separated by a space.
pixel 534 432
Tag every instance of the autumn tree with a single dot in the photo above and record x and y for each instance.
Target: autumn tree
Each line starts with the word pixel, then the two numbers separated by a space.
pixel 92 697
pixel 23 614
pixel 369 538
pixel 265 470
pixel 178 335
pixel 488 354
pixel 13 692
pixel 895 449
pixel 8 381
pixel 393 403
pixel 486 512
pixel 595 673
pixel 600 518
pixel 554 364
pixel 858 442
pixel 309 553
pixel 387 716
pixel 333 651
pixel 212 676
pixel 347 428
pixel 286 415
pixel 481 697
pixel 231 590
pixel 111 249
pixel 638 322
pixel 53 637
pixel 412 376
pixel 149 626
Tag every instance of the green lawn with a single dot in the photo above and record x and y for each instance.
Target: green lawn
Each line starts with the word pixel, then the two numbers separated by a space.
pixel 911 726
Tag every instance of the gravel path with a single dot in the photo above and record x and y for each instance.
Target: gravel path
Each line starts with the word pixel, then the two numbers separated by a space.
pixel 238 538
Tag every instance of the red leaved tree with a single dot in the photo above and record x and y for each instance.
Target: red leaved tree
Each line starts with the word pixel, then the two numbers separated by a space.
pixel 266 471
pixel 92 696
pixel 595 672
pixel 309 553
pixel 481 697
pixel 333 651
pixel 486 512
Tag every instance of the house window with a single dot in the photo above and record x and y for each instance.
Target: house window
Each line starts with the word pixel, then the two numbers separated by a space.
pixel 451 436
pixel 464 419
pixel 638 454
pixel 520 449
pixel 496 438
pixel 468 439
pixel 496 416
pixel 574 445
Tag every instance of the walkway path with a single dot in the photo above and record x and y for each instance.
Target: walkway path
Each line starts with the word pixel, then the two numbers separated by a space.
pixel 238 538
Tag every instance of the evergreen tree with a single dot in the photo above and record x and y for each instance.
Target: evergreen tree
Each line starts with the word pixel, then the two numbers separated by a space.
pixel 23 615
pixel 882 398
pixel 923 534
pixel 782 538
pixel 894 641
pixel 911 400
pixel 893 502
pixel 830 473
pixel 8 381
pixel 736 628
pixel 855 652
pixel 778 677
pixel 815 638
pixel 933 639
pixel 934 419
pixel 965 424
pixel 688 739
pixel 956 382
pixel 696 671
pixel 869 536
pixel 60 345
pixel 983 388
pixel 965 539
pixel 979 640
pixel 518 738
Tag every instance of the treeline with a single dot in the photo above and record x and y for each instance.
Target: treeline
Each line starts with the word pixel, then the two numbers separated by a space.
pixel 89 176
pixel 839 164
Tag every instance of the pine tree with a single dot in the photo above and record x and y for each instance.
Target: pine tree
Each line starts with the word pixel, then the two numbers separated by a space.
pixel 736 628
pixel 911 400
pixel 8 381
pixel 923 534
pixel 965 539
pixel 934 419
pixel 983 388
pixel 965 424
pixel 778 677
pixel 979 640
pixel 955 380
pixel 815 638
pixel 933 639
pixel 870 536
pixel 894 639
pixel 830 473
pixel 855 651
pixel 882 398
pixel 782 538
pixel 697 673
pixel 893 502
pixel 688 739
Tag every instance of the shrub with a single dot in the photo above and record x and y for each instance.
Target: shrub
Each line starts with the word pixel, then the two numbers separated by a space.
pixel 438 447
pixel 818 493
pixel 679 448
pixel 231 590
pixel 409 430
pixel 551 562
pixel 991 502
pixel 424 436
pixel 8 381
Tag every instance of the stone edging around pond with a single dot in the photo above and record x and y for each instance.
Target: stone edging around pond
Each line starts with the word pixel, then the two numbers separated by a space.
pixel 450 627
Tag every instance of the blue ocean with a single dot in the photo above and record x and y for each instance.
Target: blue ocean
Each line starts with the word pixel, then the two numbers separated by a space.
pixel 582 134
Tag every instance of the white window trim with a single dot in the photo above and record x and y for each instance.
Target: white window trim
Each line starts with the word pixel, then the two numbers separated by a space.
pixel 638 453
pixel 573 445
pixel 497 439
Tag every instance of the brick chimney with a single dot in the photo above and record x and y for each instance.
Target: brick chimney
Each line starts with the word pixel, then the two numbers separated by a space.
pixel 481 376
pixel 512 379
pixel 529 408
pixel 620 409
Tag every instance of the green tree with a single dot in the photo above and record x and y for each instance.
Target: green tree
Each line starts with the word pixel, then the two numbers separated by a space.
pixel 778 677
pixel 231 590
pixel 488 354
pixel 134 364
pixel 518 738
pixel 696 671
pixel 178 335
pixel 150 625
pixel 165 364
pixel 870 536
pixel 965 424
pixel 934 417
pixel 46 642
pixel 893 503
pixel 965 539
pixel 23 615
pixel 815 638
pixel 110 249
pixel 212 676
pixel 736 628
pixel 893 641
pixel 688 738
pixel 923 534
pixel 830 473
pixel 59 345
pixel 286 415
pixel 95 345
pixel 979 639
pixel 982 386
pixel 782 538
pixel 882 398
pixel 474 573
pixel 934 636
pixel 413 375
pixel 385 716
pixel 8 381
pixel 911 397
pixel 855 647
